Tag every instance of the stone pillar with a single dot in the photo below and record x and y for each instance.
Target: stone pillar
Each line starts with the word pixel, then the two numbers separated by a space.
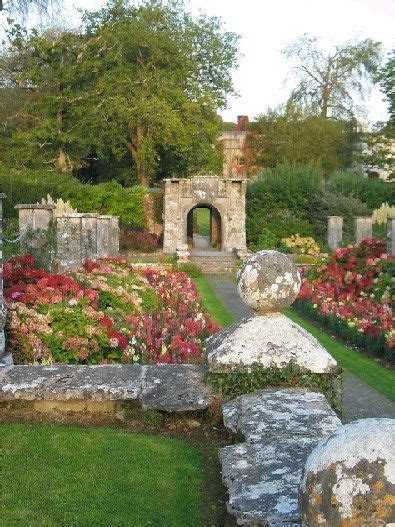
pixel 89 236
pixel 391 236
pixel 363 228
pixel 114 236
pixel 34 223
pixel 335 231
pixel 69 246
pixel 173 234
pixel 5 360
pixel 103 237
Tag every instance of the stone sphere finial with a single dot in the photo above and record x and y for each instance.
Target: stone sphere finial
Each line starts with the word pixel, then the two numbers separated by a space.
pixel 268 281
pixel 349 477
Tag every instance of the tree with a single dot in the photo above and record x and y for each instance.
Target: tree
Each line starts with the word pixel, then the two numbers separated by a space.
pixel 327 81
pixel 386 78
pixel 160 78
pixel 295 136
pixel 50 69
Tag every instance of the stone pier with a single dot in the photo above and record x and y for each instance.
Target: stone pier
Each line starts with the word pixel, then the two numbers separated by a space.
pixel 34 223
pixel 391 236
pixel 363 228
pixel 335 231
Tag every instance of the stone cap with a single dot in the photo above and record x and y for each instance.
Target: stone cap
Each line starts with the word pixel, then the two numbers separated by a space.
pixel 33 206
pixel 2 195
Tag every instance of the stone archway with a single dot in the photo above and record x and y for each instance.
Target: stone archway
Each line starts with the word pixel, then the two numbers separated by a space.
pixel 224 196
pixel 211 237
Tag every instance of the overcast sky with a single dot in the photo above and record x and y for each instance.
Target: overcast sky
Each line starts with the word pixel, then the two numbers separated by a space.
pixel 267 26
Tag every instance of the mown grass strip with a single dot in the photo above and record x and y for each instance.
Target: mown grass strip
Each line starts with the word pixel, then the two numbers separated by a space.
pixel 371 372
pixel 212 303
pixel 62 476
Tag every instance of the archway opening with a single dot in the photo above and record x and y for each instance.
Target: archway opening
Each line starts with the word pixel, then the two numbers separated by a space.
pixel 204 230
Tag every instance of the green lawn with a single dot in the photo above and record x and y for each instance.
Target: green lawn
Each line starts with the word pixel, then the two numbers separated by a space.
pixel 212 304
pixel 375 375
pixel 66 476
pixel 201 219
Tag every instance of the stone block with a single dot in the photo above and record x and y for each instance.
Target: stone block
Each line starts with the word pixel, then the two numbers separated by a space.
pixel 335 231
pixel 272 413
pixel 391 236
pixel 363 228
pixel 175 388
pixel 69 241
pixel 89 236
pixel 270 340
pixel 263 479
pixel 67 382
pixel 103 236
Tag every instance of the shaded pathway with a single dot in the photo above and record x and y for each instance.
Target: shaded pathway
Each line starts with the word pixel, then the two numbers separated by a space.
pixel 359 400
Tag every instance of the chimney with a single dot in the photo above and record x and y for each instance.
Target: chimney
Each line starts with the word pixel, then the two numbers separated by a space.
pixel 242 122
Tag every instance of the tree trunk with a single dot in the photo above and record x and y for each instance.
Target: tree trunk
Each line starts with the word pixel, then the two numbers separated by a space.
pixel 133 147
pixel 63 164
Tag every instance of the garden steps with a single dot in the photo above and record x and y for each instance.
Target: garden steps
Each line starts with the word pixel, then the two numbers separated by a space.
pixel 214 262
pixel 168 387
pixel 280 427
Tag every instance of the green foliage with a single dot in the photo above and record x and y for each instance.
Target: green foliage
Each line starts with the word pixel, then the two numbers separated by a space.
pixel 278 201
pixel 239 382
pixel 371 191
pixel 31 186
pixel 327 203
pixel 386 78
pixel 293 135
pixel 268 240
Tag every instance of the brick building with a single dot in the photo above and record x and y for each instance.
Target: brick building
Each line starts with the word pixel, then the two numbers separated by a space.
pixel 237 157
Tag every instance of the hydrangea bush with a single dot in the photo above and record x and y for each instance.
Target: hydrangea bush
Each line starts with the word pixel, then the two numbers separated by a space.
pixel 350 291
pixel 107 312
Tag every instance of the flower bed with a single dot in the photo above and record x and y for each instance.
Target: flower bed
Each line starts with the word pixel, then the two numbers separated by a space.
pixel 349 292
pixel 108 312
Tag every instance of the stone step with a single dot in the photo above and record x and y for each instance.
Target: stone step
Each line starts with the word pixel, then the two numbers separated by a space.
pixel 281 427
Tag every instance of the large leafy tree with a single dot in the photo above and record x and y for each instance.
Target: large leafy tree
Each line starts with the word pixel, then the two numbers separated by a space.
pixel 328 82
pixel 386 77
pixel 294 135
pixel 51 70
pixel 161 76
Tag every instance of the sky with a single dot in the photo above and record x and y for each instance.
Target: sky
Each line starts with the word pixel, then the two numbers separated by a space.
pixel 267 26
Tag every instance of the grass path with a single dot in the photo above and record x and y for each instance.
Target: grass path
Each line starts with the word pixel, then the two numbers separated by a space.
pixel 369 371
pixel 62 476
pixel 212 303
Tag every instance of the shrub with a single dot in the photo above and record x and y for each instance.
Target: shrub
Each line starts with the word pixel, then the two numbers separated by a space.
pixel 327 203
pixel 302 245
pixel 267 240
pixel 32 185
pixel 278 201
pixel 371 191
pixel 136 239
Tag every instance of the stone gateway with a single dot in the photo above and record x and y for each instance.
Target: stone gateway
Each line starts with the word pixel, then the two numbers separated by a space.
pixel 225 198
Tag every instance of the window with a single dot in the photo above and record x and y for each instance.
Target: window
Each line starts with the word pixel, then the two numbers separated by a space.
pixel 240 161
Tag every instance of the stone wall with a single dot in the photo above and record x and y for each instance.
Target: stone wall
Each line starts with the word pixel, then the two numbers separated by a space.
pixel 3 359
pixel 225 196
pixel 77 236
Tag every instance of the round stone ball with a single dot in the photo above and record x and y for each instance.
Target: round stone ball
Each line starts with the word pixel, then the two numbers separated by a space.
pixel 268 281
pixel 349 478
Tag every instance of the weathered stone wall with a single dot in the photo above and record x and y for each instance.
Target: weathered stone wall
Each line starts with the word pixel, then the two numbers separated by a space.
pixel 226 196
pixel 78 236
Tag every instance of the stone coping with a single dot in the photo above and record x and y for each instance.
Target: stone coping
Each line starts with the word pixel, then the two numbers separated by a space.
pixel 34 206
pixel 172 388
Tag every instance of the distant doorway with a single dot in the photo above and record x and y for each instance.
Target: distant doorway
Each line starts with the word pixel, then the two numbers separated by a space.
pixel 204 230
